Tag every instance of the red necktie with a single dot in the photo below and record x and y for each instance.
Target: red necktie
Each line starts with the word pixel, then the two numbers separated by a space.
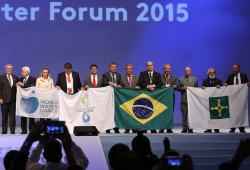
pixel 94 84
pixel 167 77
pixel 130 81
pixel 69 90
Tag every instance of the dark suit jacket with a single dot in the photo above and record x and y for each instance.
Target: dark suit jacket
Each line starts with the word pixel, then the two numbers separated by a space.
pixel 30 82
pixel 230 79
pixel 172 81
pixel 8 93
pixel 107 78
pixel 206 82
pixel 61 81
pixel 135 81
pixel 87 81
pixel 144 79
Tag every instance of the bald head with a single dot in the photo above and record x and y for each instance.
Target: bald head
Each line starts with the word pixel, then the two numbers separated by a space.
pixel 187 71
pixel 150 66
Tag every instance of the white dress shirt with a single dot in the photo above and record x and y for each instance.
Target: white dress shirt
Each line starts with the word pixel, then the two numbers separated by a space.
pixel 25 79
pixel 112 77
pixel 131 78
pixel 167 83
pixel 150 80
pixel 69 85
pixel 95 79
pixel 11 79
pixel 238 79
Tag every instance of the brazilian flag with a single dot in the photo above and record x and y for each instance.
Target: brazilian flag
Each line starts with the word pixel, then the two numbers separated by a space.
pixel 143 108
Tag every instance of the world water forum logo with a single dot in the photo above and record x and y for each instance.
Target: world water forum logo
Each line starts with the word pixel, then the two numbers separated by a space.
pixel 85 109
pixel 31 104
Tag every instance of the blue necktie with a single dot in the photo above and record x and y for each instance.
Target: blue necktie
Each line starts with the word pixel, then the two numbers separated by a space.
pixel 237 80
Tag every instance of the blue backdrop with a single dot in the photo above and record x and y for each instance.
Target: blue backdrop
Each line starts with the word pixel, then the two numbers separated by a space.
pixel 198 34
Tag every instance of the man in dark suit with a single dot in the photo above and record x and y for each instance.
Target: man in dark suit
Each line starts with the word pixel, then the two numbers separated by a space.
pixel 69 81
pixel 211 81
pixel 168 79
pixel 150 79
pixel 235 79
pixel 93 80
pixel 183 84
pixel 8 99
pixel 25 82
pixel 112 78
pixel 129 80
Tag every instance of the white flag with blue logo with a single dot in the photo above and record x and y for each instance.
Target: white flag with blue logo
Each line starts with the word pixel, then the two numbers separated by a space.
pixel 37 102
pixel 94 107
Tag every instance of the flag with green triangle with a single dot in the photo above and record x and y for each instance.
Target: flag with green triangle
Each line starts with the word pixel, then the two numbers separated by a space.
pixel 143 108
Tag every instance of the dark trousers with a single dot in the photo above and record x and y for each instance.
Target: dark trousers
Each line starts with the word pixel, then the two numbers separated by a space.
pixel 24 123
pixel 184 111
pixel 8 110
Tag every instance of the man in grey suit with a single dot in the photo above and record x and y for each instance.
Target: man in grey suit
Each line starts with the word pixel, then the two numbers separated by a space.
pixel 112 78
pixel 129 80
pixel 167 80
pixel 93 80
pixel 183 83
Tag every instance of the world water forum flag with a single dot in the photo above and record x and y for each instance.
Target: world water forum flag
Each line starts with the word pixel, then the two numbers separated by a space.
pixel 37 102
pixel 144 109
pixel 218 108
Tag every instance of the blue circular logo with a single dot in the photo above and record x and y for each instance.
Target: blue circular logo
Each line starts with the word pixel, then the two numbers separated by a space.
pixel 29 105
pixel 143 108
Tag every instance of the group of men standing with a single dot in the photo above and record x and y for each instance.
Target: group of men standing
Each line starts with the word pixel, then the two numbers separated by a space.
pixel 69 82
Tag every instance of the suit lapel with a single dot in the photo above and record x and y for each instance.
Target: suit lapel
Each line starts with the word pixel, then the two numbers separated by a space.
pixel 99 81
pixel 164 79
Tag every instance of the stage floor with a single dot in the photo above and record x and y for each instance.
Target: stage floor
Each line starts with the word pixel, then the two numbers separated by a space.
pixel 176 131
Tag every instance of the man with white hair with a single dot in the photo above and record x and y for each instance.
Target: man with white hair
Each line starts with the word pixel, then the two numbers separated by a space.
pixel 8 99
pixel 211 81
pixel 25 82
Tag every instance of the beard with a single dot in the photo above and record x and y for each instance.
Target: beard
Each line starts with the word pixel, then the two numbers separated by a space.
pixel 212 77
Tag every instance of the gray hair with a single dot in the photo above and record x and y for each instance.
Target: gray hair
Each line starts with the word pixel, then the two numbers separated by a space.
pixel 166 65
pixel 209 71
pixel 129 65
pixel 26 68
pixel 8 65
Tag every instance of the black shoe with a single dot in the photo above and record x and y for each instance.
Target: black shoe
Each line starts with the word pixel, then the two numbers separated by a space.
pixel 169 131
pixel 242 131
pixel 23 133
pixel 184 131
pixel 117 131
pixel 145 131
pixel 4 132
pixel 216 131
pixel 161 131
pixel 126 131
pixel 232 131
pixel 190 130
pixel 12 132
pixel 208 131
pixel 153 131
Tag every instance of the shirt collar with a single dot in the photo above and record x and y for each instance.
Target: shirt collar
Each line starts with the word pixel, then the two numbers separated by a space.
pixel 152 72
pixel 8 75
pixel 26 77
pixel 130 75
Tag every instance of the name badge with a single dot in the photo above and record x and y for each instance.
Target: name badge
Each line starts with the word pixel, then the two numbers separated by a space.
pixel 69 85
pixel 167 85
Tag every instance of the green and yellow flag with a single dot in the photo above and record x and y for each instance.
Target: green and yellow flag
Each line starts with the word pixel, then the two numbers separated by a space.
pixel 144 109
